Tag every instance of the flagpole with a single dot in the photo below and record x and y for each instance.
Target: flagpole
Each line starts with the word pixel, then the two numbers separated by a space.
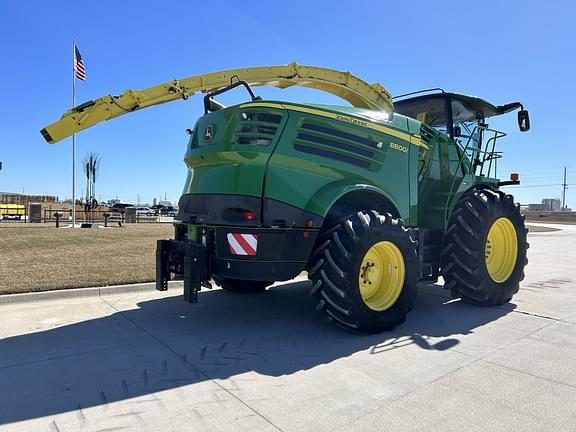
pixel 73 136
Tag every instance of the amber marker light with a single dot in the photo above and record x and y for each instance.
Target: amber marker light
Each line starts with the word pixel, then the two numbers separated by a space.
pixel 514 176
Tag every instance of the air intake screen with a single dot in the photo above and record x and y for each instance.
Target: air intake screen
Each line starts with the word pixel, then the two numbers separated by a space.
pixel 335 144
pixel 257 128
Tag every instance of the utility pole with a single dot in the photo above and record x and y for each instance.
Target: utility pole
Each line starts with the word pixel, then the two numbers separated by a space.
pixel 564 187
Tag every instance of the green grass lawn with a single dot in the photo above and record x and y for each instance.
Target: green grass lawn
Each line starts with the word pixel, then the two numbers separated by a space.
pixel 39 258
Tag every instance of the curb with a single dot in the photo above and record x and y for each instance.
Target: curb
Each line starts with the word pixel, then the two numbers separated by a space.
pixel 31 297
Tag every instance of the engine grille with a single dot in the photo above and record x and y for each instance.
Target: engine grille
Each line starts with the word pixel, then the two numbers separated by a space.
pixel 337 144
pixel 257 128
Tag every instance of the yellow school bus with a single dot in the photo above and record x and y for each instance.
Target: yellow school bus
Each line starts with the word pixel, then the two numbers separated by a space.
pixel 12 211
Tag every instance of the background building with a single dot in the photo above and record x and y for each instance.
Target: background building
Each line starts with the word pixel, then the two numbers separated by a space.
pixel 548 204
pixel 15 198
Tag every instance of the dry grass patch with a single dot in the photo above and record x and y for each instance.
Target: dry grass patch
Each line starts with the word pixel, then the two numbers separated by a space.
pixel 537 228
pixel 568 218
pixel 47 258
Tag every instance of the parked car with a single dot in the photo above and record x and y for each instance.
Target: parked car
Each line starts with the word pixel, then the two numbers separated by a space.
pixel 169 211
pixel 144 211
pixel 157 208
pixel 120 207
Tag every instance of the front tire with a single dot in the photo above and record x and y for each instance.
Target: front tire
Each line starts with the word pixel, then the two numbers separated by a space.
pixel 484 251
pixel 364 272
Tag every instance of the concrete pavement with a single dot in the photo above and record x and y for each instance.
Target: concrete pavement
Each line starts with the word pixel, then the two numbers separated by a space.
pixel 268 362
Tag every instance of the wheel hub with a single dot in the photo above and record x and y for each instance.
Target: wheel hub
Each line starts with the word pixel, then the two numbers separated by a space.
pixel 381 276
pixel 501 250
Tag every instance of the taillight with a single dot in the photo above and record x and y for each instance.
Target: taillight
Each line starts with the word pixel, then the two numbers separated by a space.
pixel 248 215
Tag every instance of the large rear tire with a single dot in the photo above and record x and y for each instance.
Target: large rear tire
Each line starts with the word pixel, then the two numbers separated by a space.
pixel 364 272
pixel 484 251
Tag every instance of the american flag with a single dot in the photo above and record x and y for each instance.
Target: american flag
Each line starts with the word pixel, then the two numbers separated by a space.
pixel 79 69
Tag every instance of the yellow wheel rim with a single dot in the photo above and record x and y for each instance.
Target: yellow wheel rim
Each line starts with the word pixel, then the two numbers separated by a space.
pixel 501 250
pixel 381 276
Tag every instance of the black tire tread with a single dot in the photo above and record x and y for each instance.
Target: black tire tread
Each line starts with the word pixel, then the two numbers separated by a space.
pixel 462 261
pixel 334 279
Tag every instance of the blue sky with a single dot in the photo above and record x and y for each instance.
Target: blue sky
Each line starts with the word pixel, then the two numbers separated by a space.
pixel 501 51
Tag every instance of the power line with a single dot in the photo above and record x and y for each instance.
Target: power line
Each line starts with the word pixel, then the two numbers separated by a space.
pixel 544 185
pixel 555 169
pixel 539 175
pixel 541 182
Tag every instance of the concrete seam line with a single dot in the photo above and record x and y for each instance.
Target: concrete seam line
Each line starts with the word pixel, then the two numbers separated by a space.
pixel 66 356
pixel 520 371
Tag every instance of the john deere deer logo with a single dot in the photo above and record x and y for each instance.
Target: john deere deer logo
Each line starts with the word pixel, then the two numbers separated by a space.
pixel 208 133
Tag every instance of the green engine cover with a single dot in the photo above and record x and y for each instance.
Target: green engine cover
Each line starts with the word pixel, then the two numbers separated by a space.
pixel 305 156
pixel 310 156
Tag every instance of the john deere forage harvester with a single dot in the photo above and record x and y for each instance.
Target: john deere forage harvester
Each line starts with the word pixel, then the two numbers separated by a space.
pixel 369 199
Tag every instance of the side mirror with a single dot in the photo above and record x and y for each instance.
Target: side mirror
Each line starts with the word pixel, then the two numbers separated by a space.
pixel 523 120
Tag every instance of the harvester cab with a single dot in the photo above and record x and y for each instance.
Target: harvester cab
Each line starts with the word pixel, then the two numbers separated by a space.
pixel 463 119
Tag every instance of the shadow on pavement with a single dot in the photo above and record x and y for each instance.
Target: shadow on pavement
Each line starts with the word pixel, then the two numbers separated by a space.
pixel 166 343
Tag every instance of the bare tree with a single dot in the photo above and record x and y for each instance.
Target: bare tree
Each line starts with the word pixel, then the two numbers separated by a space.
pixel 91 166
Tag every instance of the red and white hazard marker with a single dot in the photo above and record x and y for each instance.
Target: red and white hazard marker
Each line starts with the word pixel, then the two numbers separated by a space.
pixel 243 244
